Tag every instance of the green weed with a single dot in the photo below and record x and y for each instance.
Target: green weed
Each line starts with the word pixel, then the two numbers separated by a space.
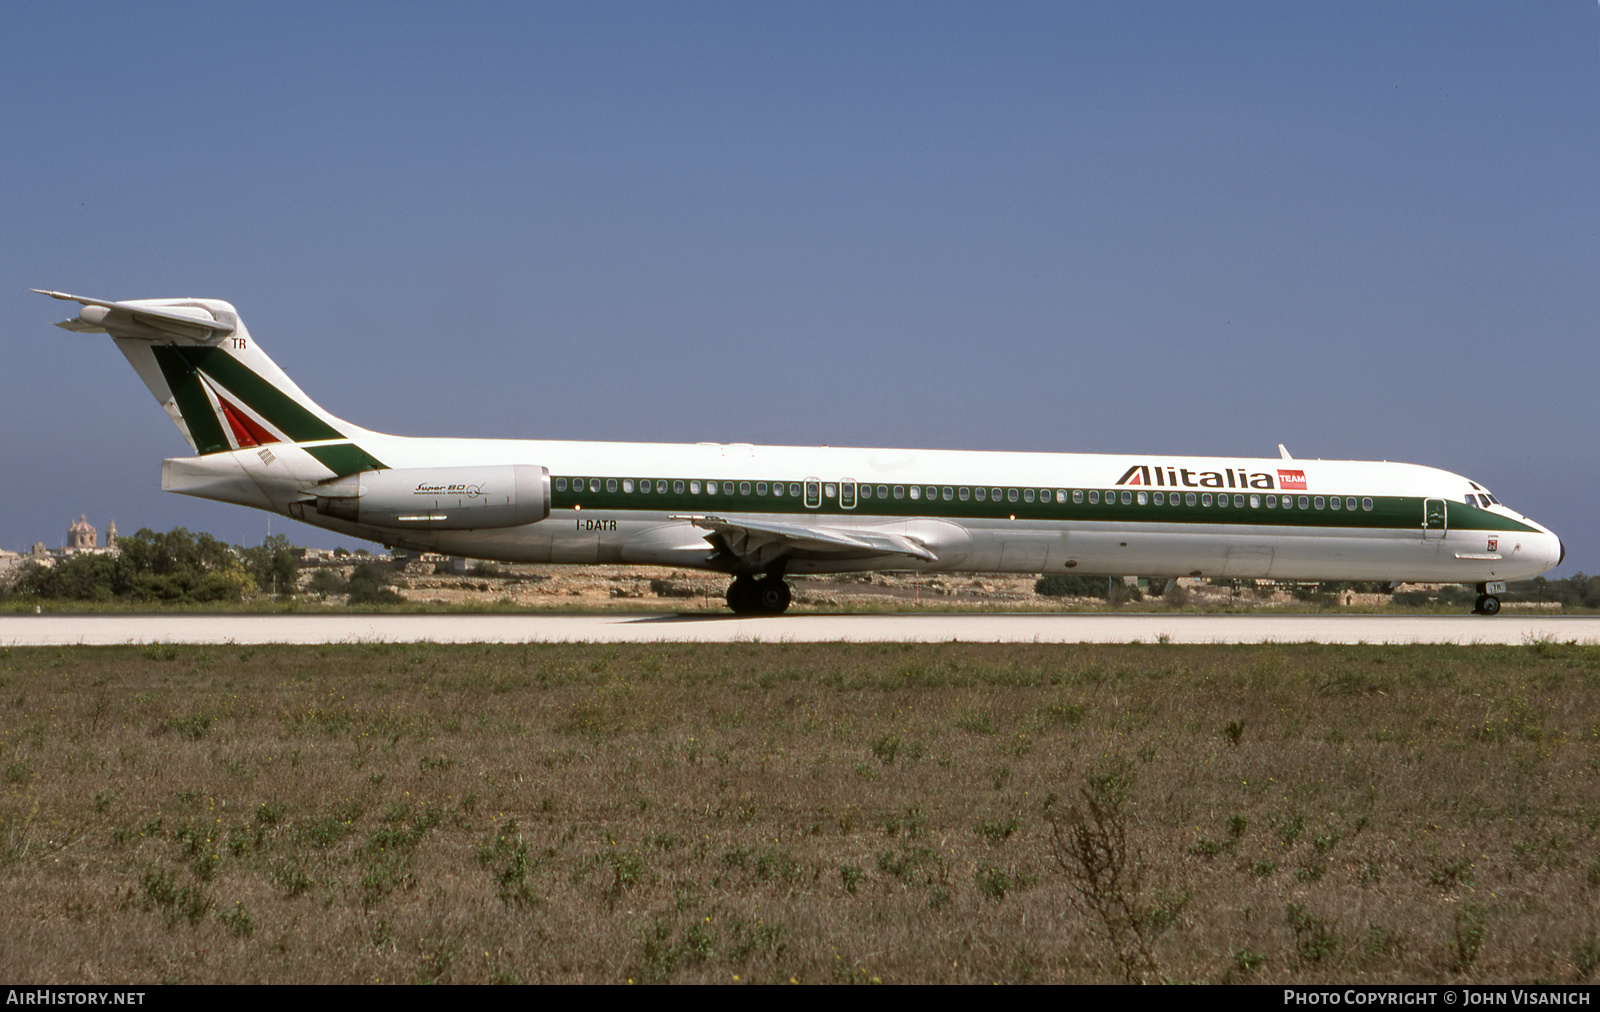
pixel 1315 939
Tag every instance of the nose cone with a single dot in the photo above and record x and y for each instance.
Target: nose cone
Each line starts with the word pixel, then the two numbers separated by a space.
pixel 1533 553
pixel 1550 549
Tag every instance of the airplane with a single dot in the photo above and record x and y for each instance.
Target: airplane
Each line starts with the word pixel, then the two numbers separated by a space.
pixel 762 513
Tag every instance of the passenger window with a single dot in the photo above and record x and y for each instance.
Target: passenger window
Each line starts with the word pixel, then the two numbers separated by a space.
pixel 1238 500
pixel 1077 495
pixel 1366 504
pixel 1334 503
pixel 1205 500
pixel 980 494
pixel 761 488
pixel 883 491
pixel 1349 502
pixel 1027 495
pixel 661 486
pixel 1161 498
pixel 1222 500
pixel 900 492
pixel 1319 502
pixel 949 493
pixel 931 492
pixel 1188 499
pixel 1305 503
pixel 644 486
pixel 694 488
pixel 711 488
pixel 561 484
pixel 744 488
pixel 1094 496
pixel 611 484
pixel 677 487
pixel 916 491
pixel 1143 499
pixel 1061 495
pixel 594 484
pixel 829 490
pixel 1255 502
pixel 627 484
pixel 866 491
pixel 1272 502
pixel 964 493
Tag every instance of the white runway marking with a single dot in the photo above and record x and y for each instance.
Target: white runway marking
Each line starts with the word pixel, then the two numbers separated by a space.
pixel 65 630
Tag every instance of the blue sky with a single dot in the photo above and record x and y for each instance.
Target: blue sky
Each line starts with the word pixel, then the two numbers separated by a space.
pixel 1366 230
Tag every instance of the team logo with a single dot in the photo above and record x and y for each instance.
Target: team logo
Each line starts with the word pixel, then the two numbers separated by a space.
pixel 1494 544
pixel 1292 479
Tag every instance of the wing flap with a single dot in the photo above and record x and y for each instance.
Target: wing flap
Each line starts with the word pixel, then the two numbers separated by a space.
pixel 746 537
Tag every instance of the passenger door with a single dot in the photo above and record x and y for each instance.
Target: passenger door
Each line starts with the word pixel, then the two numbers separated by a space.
pixel 1435 518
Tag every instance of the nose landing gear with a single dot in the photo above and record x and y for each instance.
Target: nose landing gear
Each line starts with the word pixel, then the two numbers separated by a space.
pixel 1488 603
pixel 769 595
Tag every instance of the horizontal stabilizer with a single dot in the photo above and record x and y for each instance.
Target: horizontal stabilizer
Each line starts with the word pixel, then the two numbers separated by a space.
pixel 147 318
pixel 748 537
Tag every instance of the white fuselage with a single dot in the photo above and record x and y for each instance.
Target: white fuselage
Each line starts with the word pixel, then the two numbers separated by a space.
pixel 1229 530
pixel 770 510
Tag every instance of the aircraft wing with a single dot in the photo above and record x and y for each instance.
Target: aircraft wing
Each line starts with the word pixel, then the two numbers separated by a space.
pixel 745 537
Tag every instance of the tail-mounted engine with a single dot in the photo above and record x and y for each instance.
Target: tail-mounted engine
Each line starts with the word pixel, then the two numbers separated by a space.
pixel 438 498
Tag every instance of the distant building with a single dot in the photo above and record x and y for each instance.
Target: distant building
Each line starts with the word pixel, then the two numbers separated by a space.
pixel 82 537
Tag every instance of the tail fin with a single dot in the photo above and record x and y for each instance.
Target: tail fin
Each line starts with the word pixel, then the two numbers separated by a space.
pixel 219 388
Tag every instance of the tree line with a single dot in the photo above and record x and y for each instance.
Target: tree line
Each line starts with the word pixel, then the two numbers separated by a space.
pixel 182 567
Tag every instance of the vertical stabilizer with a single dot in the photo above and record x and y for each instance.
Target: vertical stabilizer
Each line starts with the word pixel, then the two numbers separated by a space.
pixel 217 385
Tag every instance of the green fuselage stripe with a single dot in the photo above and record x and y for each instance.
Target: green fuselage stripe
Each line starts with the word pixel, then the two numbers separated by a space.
pixel 345 458
pixel 1387 513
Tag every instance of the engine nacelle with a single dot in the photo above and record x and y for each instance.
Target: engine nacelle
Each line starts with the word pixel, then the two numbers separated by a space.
pixel 439 498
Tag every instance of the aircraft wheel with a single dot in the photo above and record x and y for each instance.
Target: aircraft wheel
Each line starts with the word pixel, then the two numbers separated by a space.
pixel 1487 604
pixel 772 596
pixel 742 596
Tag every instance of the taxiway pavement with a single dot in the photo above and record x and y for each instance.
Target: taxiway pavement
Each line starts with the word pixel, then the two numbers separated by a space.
pixel 610 627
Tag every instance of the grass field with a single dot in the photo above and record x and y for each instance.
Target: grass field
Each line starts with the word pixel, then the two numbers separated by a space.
pixel 817 813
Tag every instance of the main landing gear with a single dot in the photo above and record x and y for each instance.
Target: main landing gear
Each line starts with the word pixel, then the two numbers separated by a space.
pixel 1488 603
pixel 767 596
